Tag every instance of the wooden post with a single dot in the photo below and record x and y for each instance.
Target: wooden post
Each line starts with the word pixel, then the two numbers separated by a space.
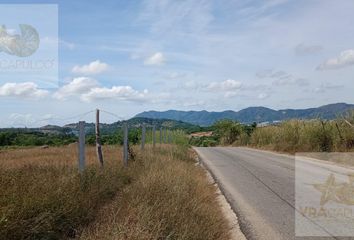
pixel 143 133
pixel 153 136
pixel 165 136
pixel 125 144
pixel 98 140
pixel 81 146
pixel 160 135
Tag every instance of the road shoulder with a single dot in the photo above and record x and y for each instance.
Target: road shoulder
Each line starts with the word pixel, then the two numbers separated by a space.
pixel 227 211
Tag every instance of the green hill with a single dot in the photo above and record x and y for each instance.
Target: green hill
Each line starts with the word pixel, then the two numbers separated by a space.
pixel 251 114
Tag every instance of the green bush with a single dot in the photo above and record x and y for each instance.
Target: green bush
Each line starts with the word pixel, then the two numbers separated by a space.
pixel 227 131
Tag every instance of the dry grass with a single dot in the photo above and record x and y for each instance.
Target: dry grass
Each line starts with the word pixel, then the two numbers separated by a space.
pixel 162 195
pixel 55 156
pixel 44 197
pixel 171 199
pixel 306 136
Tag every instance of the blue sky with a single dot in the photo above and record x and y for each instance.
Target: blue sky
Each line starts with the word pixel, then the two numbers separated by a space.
pixel 130 56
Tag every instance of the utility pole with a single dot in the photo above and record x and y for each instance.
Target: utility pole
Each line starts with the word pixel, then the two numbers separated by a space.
pixel 98 140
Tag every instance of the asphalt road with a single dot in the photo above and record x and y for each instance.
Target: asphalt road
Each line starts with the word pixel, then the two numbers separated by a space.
pixel 260 187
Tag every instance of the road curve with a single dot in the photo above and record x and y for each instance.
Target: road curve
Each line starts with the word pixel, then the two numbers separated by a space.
pixel 260 186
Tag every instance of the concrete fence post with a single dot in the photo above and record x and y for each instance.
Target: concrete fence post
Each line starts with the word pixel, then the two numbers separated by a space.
pixel 81 146
pixel 98 139
pixel 153 136
pixel 143 133
pixel 125 144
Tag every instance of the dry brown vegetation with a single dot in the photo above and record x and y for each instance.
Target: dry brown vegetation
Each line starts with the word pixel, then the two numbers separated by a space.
pixel 169 200
pixel 304 136
pixel 161 195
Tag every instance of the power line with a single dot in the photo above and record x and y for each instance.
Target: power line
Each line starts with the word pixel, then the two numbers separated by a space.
pixel 113 114
pixel 39 121
pixel 77 117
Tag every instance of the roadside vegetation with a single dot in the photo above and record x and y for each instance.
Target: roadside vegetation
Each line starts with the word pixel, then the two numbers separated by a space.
pixel 161 195
pixel 289 136
pixel 11 138
pixel 170 199
pixel 30 138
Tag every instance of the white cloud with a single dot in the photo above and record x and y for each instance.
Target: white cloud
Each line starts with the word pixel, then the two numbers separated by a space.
pixel 291 81
pixel 156 59
pixel 66 44
pixel 92 68
pixel 264 73
pixel 194 103
pixel 126 93
pixel 269 73
pixel 192 84
pixel 135 56
pixel 282 78
pixel 163 98
pixel 193 15
pixel 22 90
pixel 326 86
pixel 18 119
pixel 230 94
pixel 263 96
pixel 175 75
pixel 77 86
pixel 88 90
pixel 229 87
pixel 304 50
pixel 226 85
pixel 53 41
pixel 28 120
pixel 280 74
pixel 345 58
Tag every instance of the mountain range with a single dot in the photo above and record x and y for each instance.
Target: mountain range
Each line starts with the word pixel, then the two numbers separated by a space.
pixel 251 114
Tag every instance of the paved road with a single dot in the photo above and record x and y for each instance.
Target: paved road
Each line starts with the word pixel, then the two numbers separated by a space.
pixel 260 187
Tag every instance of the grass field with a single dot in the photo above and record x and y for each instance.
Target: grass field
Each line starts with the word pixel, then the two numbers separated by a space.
pixel 306 136
pixel 161 195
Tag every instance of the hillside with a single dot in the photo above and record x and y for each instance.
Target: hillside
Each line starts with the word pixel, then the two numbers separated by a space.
pixel 251 114
pixel 137 122
pixel 107 128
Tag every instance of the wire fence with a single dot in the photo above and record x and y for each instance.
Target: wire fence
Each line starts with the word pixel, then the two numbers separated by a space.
pixel 129 132
pixel 148 135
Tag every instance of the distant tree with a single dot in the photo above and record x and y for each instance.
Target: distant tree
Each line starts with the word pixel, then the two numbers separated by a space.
pixel 227 130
